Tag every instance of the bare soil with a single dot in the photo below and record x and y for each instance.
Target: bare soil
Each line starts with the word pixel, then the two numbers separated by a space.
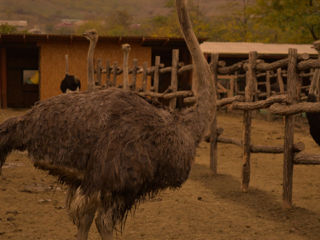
pixel 206 207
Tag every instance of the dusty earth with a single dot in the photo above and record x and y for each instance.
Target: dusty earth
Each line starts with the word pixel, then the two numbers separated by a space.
pixel 206 207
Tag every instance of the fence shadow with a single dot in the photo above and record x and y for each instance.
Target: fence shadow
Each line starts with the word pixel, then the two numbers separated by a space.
pixel 302 221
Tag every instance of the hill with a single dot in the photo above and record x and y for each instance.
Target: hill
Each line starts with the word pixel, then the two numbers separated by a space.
pixel 50 12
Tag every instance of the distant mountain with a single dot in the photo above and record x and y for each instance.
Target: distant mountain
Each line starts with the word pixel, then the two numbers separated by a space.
pixel 49 12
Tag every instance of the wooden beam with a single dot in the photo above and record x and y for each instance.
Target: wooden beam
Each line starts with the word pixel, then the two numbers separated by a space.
pixel 289 130
pixel 213 127
pixel 156 74
pixel 247 116
pixel 174 76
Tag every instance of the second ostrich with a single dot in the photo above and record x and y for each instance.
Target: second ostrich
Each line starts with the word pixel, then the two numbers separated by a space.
pixel 70 82
pixel 112 147
pixel 314 120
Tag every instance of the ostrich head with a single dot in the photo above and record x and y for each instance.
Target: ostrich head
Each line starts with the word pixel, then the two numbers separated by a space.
pixel 126 47
pixel 91 35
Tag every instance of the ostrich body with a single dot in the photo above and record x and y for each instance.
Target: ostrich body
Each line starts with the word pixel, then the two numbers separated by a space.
pixel 112 147
pixel 92 36
pixel 314 121
pixel 314 118
pixel 70 82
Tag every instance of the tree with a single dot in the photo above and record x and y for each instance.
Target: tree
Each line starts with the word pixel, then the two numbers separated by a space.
pixel 168 25
pixel 7 29
pixel 295 21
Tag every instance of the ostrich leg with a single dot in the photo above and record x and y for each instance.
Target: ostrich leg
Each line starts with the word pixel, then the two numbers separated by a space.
pixel 104 223
pixel 82 210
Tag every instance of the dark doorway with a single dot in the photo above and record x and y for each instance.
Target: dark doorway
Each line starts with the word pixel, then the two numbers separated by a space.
pixel 22 76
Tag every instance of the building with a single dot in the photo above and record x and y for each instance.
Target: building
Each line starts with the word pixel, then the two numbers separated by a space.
pixel 33 65
pixel 232 52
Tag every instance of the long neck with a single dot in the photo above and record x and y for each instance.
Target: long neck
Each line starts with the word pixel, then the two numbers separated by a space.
pixel 90 65
pixel 204 88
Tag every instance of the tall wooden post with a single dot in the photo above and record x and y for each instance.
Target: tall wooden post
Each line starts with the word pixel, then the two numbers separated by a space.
pixel 115 73
pixel 280 81
pixel 213 127
pixel 134 73
pixel 108 74
pixel 99 72
pixel 144 76
pixel 126 49
pixel 289 130
pixel 156 74
pixel 247 115
pixel 268 90
pixel 236 83
pixel 174 76
pixel 67 63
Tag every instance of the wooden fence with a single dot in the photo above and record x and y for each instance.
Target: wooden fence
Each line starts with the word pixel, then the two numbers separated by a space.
pixel 249 88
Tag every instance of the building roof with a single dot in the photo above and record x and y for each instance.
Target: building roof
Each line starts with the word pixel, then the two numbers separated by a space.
pixel 144 41
pixel 243 48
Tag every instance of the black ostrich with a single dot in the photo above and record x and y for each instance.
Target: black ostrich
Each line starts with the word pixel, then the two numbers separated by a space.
pixel 314 121
pixel 314 118
pixel 70 82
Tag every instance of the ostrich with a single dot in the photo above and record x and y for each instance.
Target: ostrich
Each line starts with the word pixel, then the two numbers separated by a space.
pixel 70 82
pixel 92 36
pixel 111 147
pixel 314 118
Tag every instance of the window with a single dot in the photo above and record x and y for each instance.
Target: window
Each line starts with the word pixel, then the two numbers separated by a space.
pixel 31 77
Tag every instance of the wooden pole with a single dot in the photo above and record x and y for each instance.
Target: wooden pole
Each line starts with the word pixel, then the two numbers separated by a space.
pixel 174 76
pixel 289 130
pixel 99 72
pixel 213 127
pixel 126 49
pixel 156 74
pixel 247 115
pixel 230 93
pixel 280 81
pixel 236 83
pixel 115 71
pixel 134 73
pixel 144 76
pixel 268 90
pixel 67 63
pixel 108 74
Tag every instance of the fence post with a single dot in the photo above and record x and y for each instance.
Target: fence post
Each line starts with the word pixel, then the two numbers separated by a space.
pixel 174 76
pixel 108 74
pixel 213 127
pixel 144 76
pixel 99 72
pixel 134 74
pixel 268 90
pixel 126 49
pixel 247 115
pixel 115 71
pixel 67 63
pixel 289 130
pixel 236 83
pixel 280 81
pixel 156 74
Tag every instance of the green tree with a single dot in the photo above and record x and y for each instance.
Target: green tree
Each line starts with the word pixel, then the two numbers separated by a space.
pixel 168 25
pixel 296 21
pixel 7 29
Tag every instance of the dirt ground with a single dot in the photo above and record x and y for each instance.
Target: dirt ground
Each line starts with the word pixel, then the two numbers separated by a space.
pixel 206 207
